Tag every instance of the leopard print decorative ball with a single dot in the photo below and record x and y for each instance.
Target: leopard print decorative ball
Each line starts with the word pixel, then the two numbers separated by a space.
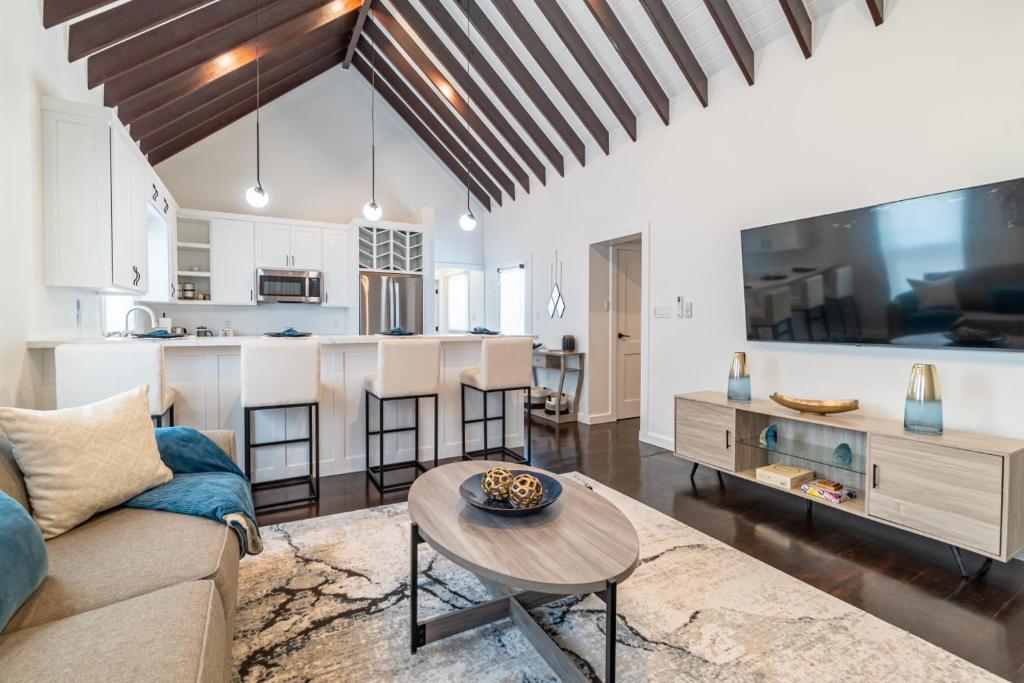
pixel 496 483
pixel 526 491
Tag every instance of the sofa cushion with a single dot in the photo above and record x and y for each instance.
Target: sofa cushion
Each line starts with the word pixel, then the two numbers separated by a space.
pixel 175 634
pixel 22 557
pixel 125 553
pixel 11 481
pixel 80 461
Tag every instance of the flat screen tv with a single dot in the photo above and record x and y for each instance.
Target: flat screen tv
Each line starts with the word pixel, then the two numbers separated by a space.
pixel 946 270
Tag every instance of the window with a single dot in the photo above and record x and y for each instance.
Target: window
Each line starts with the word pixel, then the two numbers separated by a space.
pixel 921 237
pixel 115 307
pixel 512 299
pixel 458 302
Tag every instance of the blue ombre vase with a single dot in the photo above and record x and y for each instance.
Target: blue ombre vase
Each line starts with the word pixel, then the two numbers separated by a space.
pixel 923 410
pixel 739 378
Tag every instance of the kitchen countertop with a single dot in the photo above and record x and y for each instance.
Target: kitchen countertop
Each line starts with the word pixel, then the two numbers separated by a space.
pixel 192 341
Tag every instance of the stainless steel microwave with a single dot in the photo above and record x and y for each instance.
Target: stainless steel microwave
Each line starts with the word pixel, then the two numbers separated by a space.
pixel 288 286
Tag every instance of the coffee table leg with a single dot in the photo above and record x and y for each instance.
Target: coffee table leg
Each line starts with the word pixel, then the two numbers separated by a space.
pixel 610 627
pixel 414 578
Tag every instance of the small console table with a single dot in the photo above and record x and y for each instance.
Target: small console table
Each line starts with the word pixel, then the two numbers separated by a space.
pixel 961 488
pixel 566 363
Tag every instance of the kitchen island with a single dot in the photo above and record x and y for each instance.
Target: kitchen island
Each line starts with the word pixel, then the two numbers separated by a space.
pixel 205 373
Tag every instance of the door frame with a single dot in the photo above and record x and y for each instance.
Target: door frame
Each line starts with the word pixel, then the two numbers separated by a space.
pixel 603 392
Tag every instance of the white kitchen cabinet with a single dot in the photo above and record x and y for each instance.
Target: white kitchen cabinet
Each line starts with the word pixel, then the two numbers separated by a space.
pixel 286 246
pixel 307 250
pixel 232 262
pixel 339 269
pixel 97 188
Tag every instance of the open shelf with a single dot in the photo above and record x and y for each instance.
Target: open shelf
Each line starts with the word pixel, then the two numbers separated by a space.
pixel 193 273
pixel 811 456
pixel 851 505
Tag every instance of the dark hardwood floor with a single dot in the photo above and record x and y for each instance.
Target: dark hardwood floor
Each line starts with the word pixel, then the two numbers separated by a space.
pixel 904 579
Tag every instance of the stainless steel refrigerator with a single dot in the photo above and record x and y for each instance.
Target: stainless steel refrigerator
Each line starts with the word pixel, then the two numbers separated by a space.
pixel 388 300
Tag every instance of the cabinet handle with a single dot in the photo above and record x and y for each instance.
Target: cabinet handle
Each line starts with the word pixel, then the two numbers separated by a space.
pixel 728 434
pixel 167 206
pixel 250 295
pixel 325 297
pixel 174 291
pixel 156 192
pixel 874 476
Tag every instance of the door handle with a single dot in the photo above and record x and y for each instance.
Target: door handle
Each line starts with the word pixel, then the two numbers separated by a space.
pixel 623 336
pixel 874 475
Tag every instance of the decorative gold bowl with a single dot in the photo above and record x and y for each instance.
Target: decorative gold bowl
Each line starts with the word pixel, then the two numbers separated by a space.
pixel 805 405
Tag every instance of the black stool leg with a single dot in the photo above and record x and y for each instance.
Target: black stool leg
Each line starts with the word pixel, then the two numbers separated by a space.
pixel 435 429
pixel 367 434
pixel 484 451
pixel 171 414
pixel 248 440
pixel 316 454
pixel 416 437
pixel 463 392
pixel 380 439
pixel 528 444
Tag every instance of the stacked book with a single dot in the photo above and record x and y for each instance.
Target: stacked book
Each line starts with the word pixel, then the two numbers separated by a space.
pixel 826 489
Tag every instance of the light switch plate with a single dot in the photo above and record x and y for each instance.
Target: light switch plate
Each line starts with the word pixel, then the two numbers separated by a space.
pixel 663 311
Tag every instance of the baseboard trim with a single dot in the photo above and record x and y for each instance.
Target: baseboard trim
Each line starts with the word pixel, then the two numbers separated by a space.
pixel 657 440
pixel 599 419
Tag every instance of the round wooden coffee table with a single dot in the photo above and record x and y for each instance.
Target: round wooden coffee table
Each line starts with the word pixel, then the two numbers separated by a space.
pixel 580 544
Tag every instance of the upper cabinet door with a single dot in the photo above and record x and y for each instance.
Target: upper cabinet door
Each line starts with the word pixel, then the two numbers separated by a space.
pixel 232 271
pixel 339 270
pixel 273 245
pixel 307 250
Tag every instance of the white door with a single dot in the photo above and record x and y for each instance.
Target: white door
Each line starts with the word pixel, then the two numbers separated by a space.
pixel 628 275
pixel 307 248
pixel 273 245
pixel 122 165
pixel 339 274
pixel 232 268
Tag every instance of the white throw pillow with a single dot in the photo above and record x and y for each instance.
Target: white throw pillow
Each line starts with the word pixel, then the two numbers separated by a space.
pixel 80 461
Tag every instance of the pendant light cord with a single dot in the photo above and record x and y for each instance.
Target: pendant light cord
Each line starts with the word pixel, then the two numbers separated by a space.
pixel 259 183
pixel 469 48
pixel 373 123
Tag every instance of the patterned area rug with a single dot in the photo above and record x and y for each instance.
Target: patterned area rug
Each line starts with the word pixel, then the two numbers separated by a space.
pixel 327 600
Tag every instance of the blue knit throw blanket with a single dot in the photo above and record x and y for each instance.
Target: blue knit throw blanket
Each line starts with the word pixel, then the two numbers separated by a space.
pixel 206 483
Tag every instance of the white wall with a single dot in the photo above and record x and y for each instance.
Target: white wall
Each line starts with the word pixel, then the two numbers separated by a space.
pixel 316 165
pixel 931 101
pixel 33 64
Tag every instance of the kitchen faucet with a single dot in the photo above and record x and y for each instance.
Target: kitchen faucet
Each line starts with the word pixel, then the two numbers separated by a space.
pixel 128 315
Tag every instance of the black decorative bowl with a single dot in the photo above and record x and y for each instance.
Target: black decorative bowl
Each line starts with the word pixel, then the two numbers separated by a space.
pixel 475 496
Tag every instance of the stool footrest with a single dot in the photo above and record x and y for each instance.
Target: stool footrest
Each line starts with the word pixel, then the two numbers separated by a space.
pixel 393 430
pixel 497 450
pixel 281 442
pixel 308 479
pixel 374 473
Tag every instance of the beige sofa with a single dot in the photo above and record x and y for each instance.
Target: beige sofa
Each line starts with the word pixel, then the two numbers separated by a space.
pixel 131 595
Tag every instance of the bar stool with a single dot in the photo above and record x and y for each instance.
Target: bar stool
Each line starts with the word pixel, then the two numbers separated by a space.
pixel 277 375
pixel 839 298
pixel 506 364
pixel 809 299
pixel 407 370
pixel 775 314
pixel 87 373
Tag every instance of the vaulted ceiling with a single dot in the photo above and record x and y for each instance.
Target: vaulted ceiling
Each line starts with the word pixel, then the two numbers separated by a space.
pixel 502 91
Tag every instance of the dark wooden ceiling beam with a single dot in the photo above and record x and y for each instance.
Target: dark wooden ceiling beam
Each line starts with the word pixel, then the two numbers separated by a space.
pixel 418 127
pixel 677 46
pixel 734 37
pixel 436 82
pixel 122 22
pixel 551 68
pixel 429 95
pixel 488 75
pixel 317 44
pixel 164 39
pixel 404 91
pixel 357 33
pixel 877 9
pixel 212 107
pixel 591 67
pixel 230 47
pixel 634 61
pixel 229 116
pixel 800 21
pixel 58 11
pixel 461 78
pixel 486 30
pixel 192 79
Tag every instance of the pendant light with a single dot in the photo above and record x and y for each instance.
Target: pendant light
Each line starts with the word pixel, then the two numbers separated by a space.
pixel 256 195
pixel 372 210
pixel 467 221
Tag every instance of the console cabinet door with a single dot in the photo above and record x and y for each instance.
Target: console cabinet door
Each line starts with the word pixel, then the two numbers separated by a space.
pixel 706 433
pixel 946 493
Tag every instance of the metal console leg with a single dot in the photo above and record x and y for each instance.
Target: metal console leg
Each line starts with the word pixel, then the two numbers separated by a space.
pixel 414 577
pixel 610 633
pixel 966 575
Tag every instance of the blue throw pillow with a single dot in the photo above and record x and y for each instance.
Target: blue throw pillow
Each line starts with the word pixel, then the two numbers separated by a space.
pixel 23 561
pixel 186 450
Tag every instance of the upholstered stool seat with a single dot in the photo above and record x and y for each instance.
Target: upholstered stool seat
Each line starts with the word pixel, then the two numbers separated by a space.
pixel 506 364
pixel 808 299
pixel 407 370
pixel 775 314
pixel 840 303
pixel 87 373
pixel 281 374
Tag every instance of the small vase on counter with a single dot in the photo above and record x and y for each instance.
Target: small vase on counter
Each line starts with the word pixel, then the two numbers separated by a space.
pixel 922 412
pixel 739 378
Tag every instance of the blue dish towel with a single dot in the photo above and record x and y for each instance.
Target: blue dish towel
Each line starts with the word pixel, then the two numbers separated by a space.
pixel 399 331
pixel 206 483
pixel 290 332
pixel 482 330
pixel 158 332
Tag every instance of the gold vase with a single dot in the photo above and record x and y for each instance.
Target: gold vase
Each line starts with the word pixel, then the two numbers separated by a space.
pixel 922 412
pixel 739 378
